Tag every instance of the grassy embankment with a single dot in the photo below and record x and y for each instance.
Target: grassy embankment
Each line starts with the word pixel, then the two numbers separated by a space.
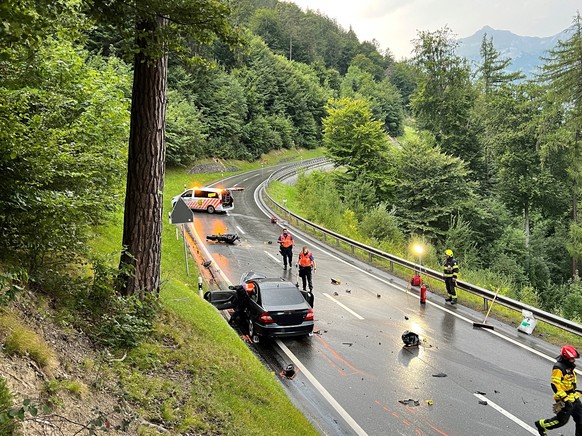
pixel 228 391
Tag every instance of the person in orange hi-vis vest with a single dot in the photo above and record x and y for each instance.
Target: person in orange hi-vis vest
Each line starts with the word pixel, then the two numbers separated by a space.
pixel 286 244
pixel 306 264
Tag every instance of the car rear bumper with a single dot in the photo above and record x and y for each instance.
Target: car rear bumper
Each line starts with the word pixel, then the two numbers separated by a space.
pixel 278 331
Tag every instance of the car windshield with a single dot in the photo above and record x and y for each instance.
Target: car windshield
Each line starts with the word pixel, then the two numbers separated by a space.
pixel 281 296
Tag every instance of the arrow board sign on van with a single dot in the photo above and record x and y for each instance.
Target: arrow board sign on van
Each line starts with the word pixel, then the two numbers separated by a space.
pixel 181 214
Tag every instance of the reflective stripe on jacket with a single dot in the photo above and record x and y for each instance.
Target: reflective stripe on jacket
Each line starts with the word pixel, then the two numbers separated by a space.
pixel 305 259
pixel 451 267
pixel 564 381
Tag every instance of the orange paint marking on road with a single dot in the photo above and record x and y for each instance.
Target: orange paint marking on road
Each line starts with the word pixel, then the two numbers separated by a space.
pixel 437 430
pixel 338 357
pixel 408 423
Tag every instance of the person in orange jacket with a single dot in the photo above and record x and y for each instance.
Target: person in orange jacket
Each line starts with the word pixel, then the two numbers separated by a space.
pixel 286 244
pixel 307 266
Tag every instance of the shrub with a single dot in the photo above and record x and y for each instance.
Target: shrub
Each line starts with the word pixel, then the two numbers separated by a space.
pixel 7 424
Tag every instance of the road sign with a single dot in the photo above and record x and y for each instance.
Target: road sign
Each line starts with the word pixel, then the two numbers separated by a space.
pixel 181 214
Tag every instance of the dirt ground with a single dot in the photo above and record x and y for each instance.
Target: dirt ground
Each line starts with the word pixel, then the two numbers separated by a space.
pixel 78 361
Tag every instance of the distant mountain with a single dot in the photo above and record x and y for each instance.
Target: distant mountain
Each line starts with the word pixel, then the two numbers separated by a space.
pixel 524 51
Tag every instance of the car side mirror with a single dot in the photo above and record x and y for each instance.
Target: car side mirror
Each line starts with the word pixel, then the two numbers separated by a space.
pixel 232 287
pixel 208 296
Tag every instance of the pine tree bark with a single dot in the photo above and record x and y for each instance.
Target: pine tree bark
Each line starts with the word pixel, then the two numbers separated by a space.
pixel 142 227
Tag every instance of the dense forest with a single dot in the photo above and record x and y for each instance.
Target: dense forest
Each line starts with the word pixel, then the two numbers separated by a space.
pixel 482 162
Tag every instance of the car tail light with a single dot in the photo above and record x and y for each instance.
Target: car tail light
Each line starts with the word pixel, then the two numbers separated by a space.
pixel 265 318
pixel 309 315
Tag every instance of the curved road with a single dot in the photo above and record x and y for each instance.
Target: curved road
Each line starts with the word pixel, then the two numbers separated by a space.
pixel 353 372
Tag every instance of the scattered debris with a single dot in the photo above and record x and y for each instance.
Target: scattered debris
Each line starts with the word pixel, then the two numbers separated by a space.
pixel 207 263
pixel 480 393
pixel 348 291
pixel 289 371
pixel 335 281
pixel 429 402
pixel 270 242
pixel 440 374
pixel 483 402
pixel 317 332
pixel 378 296
pixel 349 344
pixel 336 294
pixel 405 317
pixel 410 339
pixel 496 391
pixel 410 402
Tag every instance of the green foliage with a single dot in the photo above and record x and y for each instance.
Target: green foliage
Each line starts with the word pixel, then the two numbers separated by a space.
pixel 11 284
pixel 431 187
pixel 404 77
pixel 7 424
pixel 20 340
pixel 492 69
pixel 384 98
pixel 186 133
pixel 443 100
pixel 64 122
pixel 117 321
pixel 380 224
pixel 355 141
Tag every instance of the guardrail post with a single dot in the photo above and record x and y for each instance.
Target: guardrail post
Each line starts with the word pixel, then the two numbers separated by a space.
pixel 353 249
pixel 485 304
pixel 370 257
pixel 391 267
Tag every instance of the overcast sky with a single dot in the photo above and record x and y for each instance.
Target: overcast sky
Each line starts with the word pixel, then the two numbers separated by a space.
pixel 393 23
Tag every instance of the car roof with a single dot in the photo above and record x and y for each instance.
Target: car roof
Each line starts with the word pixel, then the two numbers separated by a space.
pixel 271 282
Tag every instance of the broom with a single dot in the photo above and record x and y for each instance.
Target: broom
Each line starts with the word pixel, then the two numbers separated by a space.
pixel 483 324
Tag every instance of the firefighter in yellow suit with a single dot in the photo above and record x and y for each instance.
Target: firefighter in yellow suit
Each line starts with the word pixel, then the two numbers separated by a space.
pixel 565 394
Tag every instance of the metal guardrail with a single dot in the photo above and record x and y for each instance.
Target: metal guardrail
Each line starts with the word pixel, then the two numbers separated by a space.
pixel 486 294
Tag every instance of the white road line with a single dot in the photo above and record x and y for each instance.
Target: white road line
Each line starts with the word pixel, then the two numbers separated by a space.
pixel 507 414
pixel 241 230
pixel 273 257
pixel 331 400
pixel 342 305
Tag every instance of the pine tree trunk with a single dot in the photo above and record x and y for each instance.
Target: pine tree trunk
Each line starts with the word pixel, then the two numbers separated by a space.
pixel 142 226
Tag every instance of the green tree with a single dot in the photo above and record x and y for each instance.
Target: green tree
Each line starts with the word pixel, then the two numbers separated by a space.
pixel 562 71
pixel 444 98
pixel 185 132
pixel 356 141
pixel 431 187
pixel 384 98
pixel 523 183
pixel 493 70
pixel 64 118
pixel 155 28
pixel 403 76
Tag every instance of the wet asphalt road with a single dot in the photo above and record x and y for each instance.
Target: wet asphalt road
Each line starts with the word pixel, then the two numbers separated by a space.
pixel 352 374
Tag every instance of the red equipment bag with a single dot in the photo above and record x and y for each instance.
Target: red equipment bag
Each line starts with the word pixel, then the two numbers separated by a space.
pixel 415 280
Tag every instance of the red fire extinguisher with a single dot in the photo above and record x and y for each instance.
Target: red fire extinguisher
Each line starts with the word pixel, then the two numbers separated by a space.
pixel 422 294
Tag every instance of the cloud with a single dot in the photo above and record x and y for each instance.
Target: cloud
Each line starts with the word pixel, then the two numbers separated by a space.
pixel 373 9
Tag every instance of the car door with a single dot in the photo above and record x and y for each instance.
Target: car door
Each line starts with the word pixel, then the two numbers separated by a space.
pixel 221 299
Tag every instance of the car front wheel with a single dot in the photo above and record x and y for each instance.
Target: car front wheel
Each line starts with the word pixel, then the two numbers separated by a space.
pixel 210 209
